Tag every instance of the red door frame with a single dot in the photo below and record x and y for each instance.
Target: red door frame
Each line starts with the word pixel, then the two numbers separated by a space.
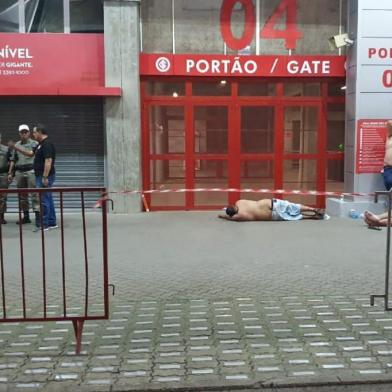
pixel 234 156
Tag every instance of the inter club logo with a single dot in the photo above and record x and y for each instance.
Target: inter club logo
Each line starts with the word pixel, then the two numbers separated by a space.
pixel 163 64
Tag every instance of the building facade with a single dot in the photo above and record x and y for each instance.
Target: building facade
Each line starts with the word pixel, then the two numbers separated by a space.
pixel 183 94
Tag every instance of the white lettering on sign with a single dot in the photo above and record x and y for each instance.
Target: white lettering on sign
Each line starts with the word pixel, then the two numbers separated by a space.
pixel 189 65
pixel 380 53
pixel 223 66
pixel 226 64
pixel 19 65
pixel 202 66
pixel 250 66
pixel 309 67
pixel 14 53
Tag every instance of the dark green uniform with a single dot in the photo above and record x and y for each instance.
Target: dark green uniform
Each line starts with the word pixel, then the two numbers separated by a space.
pixel 24 174
pixel 4 157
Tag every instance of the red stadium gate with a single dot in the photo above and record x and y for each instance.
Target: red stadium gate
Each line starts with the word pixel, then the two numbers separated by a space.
pixel 45 260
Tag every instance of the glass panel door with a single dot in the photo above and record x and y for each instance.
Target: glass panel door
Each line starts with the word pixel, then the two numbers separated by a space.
pixel 166 155
pixel 303 151
pixel 211 148
pixel 257 148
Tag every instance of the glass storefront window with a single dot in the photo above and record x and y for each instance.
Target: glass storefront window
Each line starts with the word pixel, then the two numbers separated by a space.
pixel 300 174
pixel 300 129
pixel 335 127
pixel 157 29
pixel 86 16
pixel 44 16
pixel 257 175
pixel 302 89
pixel 167 130
pixel 211 129
pixel 197 26
pixel 167 174
pixel 319 20
pixel 257 129
pixel 9 16
pixel 167 89
pixel 336 89
pixel 218 88
pixel 211 174
pixel 335 175
pixel 256 89
pixel 48 17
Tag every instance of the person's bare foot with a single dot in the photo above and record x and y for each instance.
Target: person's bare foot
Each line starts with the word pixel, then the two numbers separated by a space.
pixel 371 219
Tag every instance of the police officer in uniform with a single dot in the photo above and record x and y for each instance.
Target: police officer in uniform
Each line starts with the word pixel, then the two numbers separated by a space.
pixel 22 159
pixel 4 160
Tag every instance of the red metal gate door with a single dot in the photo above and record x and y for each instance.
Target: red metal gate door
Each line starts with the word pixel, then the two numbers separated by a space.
pixel 210 141
pixel 257 144
pixel 303 150
pixel 164 154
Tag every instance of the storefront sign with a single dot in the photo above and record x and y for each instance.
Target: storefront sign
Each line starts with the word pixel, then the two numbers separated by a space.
pixel 47 63
pixel 376 60
pixel 371 137
pixel 219 65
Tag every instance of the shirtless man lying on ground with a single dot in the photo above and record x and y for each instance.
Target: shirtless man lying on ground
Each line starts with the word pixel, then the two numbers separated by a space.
pixel 270 210
pixel 374 220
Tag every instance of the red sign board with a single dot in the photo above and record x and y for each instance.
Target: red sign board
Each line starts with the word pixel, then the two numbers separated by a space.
pixel 371 137
pixel 50 63
pixel 220 65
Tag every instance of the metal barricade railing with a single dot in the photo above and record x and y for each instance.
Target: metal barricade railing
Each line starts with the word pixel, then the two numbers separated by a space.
pixel 388 252
pixel 49 244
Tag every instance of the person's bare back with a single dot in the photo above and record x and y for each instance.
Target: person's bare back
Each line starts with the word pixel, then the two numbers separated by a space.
pixel 254 210
pixel 250 210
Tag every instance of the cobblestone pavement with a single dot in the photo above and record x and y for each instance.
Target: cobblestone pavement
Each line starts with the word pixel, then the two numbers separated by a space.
pixel 201 303
pixel 165 344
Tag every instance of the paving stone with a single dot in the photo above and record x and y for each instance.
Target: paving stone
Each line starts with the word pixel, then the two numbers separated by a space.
pixel 33 378
pixel 291 343
pixel 206 379
pixel 177 372
pixel 59 386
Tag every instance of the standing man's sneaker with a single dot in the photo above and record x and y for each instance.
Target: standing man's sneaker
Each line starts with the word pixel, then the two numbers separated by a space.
pixel 2 220
pixel 24 220
pixel 53 227
pixel 37 218
pixel 38 228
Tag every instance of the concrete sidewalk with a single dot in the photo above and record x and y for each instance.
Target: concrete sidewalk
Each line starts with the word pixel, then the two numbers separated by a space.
pixel 186 255
pixel 205 303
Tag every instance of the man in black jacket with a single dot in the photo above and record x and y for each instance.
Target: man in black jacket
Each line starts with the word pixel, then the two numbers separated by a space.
pixel 44 169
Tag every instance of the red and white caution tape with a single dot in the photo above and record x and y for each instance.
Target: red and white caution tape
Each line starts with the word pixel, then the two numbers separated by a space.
pixel 245 190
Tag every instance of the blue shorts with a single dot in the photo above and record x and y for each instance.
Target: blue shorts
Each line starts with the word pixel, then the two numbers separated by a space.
pixel 283 210
pixel 387 177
